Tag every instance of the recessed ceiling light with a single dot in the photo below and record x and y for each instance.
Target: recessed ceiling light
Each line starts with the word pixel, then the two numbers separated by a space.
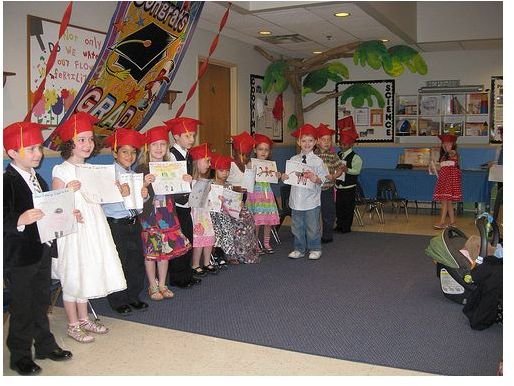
pixel 384 40
pixel 342 14
pixel 317 52
pixel 264 32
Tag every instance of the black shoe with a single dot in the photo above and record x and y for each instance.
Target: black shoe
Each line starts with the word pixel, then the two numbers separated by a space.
pixel 326 241
pixel 198 271
pixel 26 366
pixel 57 355
pixel 210 269
pixel 195 281
pixel 123 310
pixel 338 230
pixel 182 285
pixel 139 305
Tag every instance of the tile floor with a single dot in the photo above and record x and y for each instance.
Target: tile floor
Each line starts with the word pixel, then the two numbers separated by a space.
pixel 113 354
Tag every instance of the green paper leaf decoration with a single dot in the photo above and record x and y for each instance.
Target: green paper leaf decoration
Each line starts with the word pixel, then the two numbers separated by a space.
pixel 292 122
pixel 405 56
pixel 316 80
pixel 360 93
pixel 338 68
pixel 274 77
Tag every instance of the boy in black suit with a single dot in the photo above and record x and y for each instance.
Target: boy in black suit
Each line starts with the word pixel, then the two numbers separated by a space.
pixel 27 262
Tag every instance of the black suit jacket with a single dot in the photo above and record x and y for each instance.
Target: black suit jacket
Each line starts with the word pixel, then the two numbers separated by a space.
pixel 20 248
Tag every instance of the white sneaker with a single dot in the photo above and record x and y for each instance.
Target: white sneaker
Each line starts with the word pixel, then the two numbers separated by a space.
pixel 314 255
pixel 296 254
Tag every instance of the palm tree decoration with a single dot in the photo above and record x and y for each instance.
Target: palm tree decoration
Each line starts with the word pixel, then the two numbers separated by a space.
pixel 312 74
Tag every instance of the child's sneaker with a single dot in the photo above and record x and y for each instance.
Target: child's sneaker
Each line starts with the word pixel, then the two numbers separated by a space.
pixel 314 255
pixel 93 326
pixel 296 254
pixel 81 336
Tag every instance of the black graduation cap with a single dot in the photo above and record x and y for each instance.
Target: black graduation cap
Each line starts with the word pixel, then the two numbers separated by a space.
pixel 140 51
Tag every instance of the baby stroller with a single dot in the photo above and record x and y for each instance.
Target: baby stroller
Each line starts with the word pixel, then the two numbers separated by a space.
pixel 454 267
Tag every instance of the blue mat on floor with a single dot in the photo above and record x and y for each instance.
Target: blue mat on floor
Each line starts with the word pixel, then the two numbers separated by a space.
pixel 371 298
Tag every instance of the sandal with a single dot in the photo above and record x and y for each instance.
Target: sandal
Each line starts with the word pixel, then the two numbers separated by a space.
pixel 269 250
pixel 81 336
pixel 166 293
pixel 210 269
pixel 154 293
pixel 93 326
pixel 198 271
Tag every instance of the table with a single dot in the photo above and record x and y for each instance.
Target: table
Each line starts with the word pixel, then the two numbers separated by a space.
pixel 418 185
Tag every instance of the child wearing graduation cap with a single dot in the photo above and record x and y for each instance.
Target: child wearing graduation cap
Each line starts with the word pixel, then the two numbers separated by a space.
pixel 124 224
pixel 334 165
pixel 184 131
pixel 88 265
pixel 236 237
pixel 203 230
pixel 305 203
pixel 163 239
pixel 261 202
pixel 448 188
pixel 242 147
pixel 346 184
pixel 27 261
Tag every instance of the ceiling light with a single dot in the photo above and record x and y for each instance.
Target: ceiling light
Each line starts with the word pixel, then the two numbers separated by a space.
pixel 317 52
pixel 264 32
pixel 342 14
pixel 384 40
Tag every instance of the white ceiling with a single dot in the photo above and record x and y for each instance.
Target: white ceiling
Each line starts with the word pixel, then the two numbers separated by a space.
pixel 316 22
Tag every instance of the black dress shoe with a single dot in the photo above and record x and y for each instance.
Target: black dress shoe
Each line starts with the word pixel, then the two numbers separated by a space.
pixel 26 366
pixel 326 241
pixel 57 355
pixel 195 280
pixel 181 285
pixel 139 305
pixel 123 310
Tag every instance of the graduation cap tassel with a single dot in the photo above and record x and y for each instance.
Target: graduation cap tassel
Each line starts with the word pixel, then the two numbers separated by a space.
pixel 203 68
pixel 51 60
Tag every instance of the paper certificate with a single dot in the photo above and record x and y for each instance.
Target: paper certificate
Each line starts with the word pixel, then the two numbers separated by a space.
pixel 215 196
pixel 249 180
pixel 265 171
pixel 59 220
pixel 232 202
pixel 168 177
pixel 496 173
pixel 135 183
pixel 98 183
pixel 199 196
pixel 296 175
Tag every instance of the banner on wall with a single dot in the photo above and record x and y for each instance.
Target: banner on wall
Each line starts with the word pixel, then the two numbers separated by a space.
pixel 140 56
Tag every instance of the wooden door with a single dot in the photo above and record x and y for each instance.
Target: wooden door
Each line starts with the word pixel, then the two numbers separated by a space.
pixel 214 108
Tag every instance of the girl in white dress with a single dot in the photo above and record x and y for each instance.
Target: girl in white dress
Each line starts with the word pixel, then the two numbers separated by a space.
pixel 88 265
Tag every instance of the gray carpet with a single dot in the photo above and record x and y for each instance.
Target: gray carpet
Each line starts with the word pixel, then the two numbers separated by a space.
pixel 371 298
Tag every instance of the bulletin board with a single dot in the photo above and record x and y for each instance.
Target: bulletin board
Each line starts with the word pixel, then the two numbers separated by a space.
pixel 371 104
pixel 262 120
pixel 79 49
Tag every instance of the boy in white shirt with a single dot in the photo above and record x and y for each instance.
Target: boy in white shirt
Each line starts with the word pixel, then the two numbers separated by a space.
pixel 306 203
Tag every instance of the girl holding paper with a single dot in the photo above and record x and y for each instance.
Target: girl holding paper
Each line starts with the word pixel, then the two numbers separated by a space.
pixel 88 265
pixel 448 187
pixel 162 237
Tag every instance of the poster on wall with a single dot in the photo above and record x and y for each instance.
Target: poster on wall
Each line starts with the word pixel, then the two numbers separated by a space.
pixel 79 49
pixel 371 104
pixel 266 111
pixel 496 134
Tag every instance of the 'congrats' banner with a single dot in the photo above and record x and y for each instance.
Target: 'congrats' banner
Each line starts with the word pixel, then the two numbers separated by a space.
pixel 140 56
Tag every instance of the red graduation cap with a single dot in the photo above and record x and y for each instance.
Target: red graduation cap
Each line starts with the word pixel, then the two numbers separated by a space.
pixel 220 162
pixel 448 138
pixel 124 136
pixel 323 130
pixel 200 151
pixel 22 134
pixel 306 129
pixel 347 137
pixel 347 132
pixel 157 133
pixel 77 123
pixel 261 138
pixel 243 142
pixel 182 125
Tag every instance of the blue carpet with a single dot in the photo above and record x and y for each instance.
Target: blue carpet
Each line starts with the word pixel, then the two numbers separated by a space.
pixel 371 298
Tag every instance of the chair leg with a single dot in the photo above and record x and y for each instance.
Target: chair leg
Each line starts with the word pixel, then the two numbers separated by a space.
pixel 93 310
pixel 53 299
pixel 358 215
pixel 275 234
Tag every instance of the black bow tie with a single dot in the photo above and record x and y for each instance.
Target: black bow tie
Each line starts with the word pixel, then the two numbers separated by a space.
pixel 304 159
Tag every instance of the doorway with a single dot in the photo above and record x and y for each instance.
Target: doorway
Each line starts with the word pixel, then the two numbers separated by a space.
pixel 214 91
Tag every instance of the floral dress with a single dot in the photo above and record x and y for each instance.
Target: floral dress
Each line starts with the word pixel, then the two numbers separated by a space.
pixel 162 236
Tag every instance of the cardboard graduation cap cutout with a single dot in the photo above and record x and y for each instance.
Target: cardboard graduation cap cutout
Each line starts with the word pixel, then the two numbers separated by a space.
pixel 122 137
pixel 182 125
pixel 243 142
pixel 261 138
pixel 20 135
pixel 323 130
pixel 306 129
pixel 448 138
pixel 140 51
pixel 220 162
pixel 77 123
pixel 200 151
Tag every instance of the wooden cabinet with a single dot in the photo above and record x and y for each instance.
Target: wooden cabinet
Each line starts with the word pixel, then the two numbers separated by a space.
pixel 431 114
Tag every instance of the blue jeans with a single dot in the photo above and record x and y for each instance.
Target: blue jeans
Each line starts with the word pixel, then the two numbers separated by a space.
pixel 306 228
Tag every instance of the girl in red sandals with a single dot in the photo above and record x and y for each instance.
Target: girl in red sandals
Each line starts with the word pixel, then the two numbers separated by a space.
pixel 162 237
pixel 448 188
